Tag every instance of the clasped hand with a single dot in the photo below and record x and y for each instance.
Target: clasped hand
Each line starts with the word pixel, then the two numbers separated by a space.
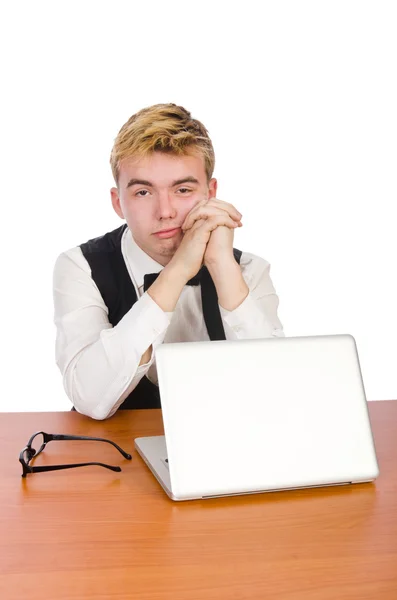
pixel 220 219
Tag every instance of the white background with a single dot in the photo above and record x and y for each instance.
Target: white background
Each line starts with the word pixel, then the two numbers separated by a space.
pixel 300 101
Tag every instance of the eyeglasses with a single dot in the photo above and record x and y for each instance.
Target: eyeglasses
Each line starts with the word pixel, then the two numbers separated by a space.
pixel 41 439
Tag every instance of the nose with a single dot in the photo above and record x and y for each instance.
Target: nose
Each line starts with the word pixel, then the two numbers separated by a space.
pixel 165 206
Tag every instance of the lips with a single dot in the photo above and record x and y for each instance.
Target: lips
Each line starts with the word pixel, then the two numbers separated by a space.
pixel 167 233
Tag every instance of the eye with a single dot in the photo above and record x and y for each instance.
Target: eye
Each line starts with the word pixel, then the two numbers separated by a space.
pixel 184 190
pixel 142 193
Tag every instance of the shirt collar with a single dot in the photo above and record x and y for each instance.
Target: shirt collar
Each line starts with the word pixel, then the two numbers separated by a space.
pixel 138 262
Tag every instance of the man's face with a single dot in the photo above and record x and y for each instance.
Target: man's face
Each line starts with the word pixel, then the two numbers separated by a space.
pixel 154 196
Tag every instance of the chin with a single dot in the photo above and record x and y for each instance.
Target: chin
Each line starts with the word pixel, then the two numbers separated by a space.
pixel 168 247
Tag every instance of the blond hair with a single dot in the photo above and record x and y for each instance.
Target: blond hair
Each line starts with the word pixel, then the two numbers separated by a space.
pixel 165 128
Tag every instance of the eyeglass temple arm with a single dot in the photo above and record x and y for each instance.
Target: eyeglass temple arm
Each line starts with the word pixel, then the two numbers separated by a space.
pixel 59 467
pixel 48 437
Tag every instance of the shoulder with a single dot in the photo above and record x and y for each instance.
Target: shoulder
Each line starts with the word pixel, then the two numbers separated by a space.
pixel 74 260
pixel 109 242
pixel 70 263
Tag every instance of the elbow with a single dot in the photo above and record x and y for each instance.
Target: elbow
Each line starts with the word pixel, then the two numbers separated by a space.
pixel 86 404
pixel 93 412
pixel 97 397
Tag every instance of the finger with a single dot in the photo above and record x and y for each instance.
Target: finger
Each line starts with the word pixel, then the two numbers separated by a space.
pixel 201 221
pixel 217 220
pixel 201 207
pixel 200 213
pixel 229 208
pixel 203 212
pixel 232 210
pixel 196 206
pixel 197 224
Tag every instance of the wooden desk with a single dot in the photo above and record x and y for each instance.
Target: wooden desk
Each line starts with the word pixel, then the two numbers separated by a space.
pixel 91 533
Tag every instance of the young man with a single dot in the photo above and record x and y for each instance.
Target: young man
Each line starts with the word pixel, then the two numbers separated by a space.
pixel 170 274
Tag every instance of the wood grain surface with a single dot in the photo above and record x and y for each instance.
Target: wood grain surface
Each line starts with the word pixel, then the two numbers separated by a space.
pixel 91 533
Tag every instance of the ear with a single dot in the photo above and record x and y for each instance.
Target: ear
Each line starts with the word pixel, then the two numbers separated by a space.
pixel 212 188
pixel 114 194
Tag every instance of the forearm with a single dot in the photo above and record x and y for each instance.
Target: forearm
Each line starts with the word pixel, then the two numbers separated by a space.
pixel 101 364
pixel 165 292
pixel 257 315
pixel 167 288
pixel 229 283
pixel 100 367
pixel 98 395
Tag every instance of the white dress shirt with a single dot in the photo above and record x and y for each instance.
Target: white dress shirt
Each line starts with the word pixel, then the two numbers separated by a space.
pixel 100 363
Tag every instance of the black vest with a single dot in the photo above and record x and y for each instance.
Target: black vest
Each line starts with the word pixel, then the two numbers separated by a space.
pixel 110 274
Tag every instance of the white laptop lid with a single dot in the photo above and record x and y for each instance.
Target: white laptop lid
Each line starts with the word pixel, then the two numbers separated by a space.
pixel 264 414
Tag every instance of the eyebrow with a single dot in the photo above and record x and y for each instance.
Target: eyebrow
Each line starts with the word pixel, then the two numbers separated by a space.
pixel 188 179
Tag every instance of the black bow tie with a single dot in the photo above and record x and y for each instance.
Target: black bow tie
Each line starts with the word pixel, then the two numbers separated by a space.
pixel 151 278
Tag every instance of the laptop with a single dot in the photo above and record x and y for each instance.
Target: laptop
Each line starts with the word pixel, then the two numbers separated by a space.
pixel 251 416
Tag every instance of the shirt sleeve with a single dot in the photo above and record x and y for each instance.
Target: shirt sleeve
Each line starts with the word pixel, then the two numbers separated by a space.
pixel 256 317
pixel 100 363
